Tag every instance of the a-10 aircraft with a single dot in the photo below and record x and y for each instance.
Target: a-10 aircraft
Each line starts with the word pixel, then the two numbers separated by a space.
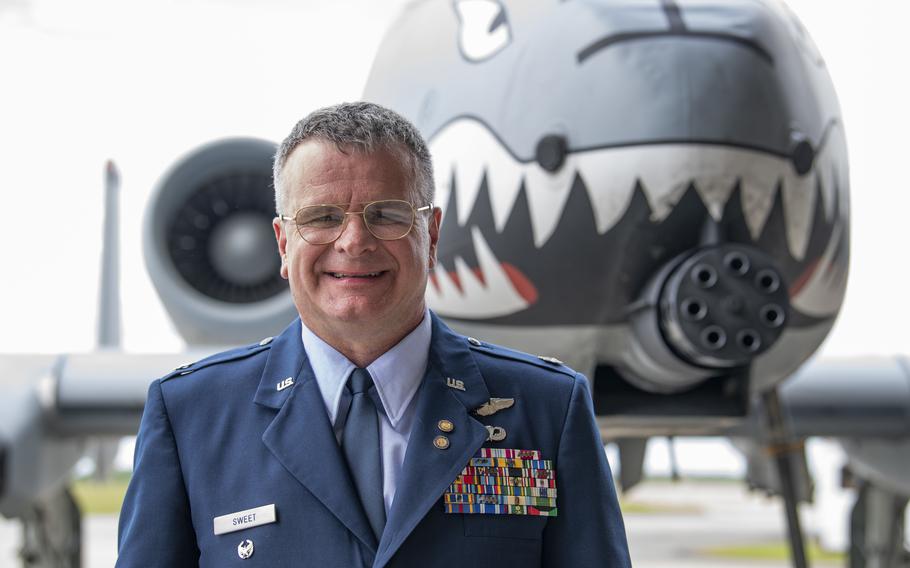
pixel 654 192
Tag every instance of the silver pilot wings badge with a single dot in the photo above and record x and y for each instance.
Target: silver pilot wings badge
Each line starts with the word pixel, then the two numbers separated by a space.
pixel 493 406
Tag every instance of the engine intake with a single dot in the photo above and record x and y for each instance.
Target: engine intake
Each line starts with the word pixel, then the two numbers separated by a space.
pixel 209 244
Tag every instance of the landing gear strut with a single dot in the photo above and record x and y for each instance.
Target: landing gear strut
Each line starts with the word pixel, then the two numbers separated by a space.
pixel 52 533
pixel 877 529
pixel 783 450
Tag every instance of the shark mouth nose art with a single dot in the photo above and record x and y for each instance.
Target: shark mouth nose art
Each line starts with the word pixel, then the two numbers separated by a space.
pixel 511 227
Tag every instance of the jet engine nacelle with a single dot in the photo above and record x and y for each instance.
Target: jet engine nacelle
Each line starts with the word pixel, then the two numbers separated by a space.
pixel 209 245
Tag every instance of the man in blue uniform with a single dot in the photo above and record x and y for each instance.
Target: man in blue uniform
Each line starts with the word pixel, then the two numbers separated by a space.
pixel 367 433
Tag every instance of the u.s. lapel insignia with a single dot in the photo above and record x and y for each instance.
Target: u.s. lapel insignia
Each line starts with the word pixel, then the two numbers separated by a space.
pixel 504 481
pixel 493 406
pixel 245 549
pixel 288 382
pixel 454 383
pixel 496 433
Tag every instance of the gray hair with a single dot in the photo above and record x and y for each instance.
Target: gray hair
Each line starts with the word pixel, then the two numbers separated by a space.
pixel 365 127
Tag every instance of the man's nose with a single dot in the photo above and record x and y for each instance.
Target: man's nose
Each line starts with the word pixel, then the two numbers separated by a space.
pixel 355 238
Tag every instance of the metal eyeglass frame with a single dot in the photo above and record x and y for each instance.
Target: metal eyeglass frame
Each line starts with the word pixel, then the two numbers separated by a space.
pixel 414 212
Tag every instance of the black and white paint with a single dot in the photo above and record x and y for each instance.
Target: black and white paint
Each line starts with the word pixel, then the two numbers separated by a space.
pixel 581 145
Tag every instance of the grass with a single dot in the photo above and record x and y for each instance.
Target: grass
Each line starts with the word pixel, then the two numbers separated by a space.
pixel 773 551
pixel 100 498
pixel 651 508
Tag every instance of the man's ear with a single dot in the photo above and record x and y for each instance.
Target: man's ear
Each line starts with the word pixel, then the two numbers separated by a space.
pixel 281 238
pixel 435 223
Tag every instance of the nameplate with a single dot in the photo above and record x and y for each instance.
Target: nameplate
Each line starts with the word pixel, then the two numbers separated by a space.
pixel 245 519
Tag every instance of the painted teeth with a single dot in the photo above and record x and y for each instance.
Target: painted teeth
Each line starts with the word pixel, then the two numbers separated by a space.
pixel 474 297
pixel 466 153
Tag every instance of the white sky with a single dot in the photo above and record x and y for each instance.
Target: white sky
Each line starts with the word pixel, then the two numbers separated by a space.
pixel 84 81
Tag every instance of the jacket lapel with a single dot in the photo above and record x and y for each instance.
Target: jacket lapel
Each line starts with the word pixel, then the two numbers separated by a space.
pixel 301 436
pixel 428 470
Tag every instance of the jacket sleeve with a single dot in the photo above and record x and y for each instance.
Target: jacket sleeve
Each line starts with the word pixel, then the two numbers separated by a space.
pixel 588 529
pixel 155 524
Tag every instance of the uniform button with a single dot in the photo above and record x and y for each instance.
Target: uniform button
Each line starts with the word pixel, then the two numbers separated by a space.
pixel 445 425
pixel 474 342
pixel 441 442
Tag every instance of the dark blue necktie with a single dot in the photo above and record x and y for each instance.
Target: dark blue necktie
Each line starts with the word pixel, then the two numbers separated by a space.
pixel 361 447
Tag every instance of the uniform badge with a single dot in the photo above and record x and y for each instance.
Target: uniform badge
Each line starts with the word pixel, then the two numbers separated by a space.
pixel 245 549
pixel 496 433
pixel 504 481
pixel 493 406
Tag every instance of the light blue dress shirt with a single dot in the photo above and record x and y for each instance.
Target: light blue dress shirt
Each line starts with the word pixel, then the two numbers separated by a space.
pixel 396 374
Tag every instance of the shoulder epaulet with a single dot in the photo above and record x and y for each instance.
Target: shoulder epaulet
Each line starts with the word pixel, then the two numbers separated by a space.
pixel 540 361
pixel 222 357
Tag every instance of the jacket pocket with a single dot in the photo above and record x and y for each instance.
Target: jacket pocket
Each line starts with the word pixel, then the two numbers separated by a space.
pixel 524 527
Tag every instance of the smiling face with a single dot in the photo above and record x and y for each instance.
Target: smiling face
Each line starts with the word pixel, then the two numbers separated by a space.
pixel 358 286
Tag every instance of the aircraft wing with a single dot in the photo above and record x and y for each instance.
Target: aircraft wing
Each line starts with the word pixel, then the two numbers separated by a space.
pixel 51 405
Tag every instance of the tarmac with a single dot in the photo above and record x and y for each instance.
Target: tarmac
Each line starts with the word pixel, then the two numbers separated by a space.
pixel 669 525
pixel 690 519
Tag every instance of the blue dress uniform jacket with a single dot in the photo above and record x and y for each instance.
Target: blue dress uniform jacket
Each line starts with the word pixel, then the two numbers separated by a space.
pixel 219 437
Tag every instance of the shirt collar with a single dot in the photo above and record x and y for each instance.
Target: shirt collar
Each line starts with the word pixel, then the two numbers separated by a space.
pixel 396 373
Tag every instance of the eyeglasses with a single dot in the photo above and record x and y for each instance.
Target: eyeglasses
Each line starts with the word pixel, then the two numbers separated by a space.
pixel 387 220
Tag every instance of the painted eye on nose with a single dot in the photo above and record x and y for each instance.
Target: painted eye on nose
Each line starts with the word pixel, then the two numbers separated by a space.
pixel 802 154
pixel 483 28
pixel 551 152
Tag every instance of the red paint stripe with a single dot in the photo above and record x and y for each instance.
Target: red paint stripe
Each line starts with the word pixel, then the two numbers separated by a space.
pixel 519 281
pixel 804 278
pixel 456 280
pixel 522 285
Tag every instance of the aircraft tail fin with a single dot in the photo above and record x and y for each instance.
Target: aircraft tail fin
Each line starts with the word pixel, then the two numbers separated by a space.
pixel 109 298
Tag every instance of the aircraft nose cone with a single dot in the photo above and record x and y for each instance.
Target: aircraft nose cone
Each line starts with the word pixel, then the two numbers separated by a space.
pixel 242 249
